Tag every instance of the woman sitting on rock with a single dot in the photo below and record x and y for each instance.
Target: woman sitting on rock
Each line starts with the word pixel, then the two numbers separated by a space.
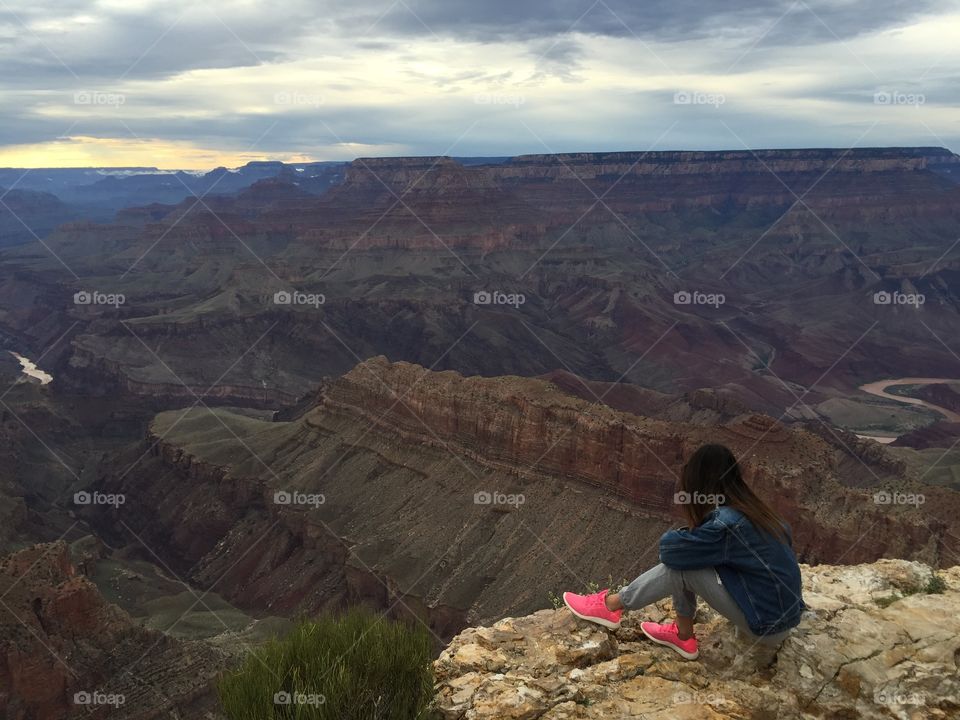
pixel 735 554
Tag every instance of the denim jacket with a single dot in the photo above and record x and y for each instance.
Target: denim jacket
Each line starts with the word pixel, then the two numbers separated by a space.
pixel 759 571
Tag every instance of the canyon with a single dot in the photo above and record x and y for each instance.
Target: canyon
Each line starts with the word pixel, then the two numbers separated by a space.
pixel 600 245
pixel 445 388
pixel 444 495
pixel 67 652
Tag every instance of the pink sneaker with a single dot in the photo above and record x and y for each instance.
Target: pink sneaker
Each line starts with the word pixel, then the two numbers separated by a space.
pixel 593 608
pixel 667 635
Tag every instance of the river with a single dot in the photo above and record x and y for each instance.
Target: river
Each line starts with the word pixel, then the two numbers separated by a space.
pixel 879 388
pixel 30 368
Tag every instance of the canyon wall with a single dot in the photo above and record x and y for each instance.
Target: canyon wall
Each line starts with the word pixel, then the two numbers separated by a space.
pixel 466 498
pixel 65 652
pixel 399 248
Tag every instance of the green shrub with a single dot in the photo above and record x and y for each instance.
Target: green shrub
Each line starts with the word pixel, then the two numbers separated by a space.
pixel 357 666
pixel 935 585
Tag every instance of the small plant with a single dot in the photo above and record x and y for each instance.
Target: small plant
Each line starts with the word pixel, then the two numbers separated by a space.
pixel 555 600
pixel 935 585
pixel 357 666
pixel 616 586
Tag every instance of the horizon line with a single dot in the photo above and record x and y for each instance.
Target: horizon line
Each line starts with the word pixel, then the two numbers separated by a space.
pixel 146 169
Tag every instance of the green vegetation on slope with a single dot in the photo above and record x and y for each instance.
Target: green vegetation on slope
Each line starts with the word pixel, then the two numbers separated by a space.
pixel 357 666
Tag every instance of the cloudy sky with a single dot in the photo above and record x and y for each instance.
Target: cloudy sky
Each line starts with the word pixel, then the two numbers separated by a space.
pixel 182 84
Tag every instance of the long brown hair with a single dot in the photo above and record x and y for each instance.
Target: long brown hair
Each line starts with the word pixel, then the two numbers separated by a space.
pixel 712 477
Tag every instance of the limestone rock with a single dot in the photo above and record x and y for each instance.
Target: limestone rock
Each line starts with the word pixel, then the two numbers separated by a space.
pixel 875 643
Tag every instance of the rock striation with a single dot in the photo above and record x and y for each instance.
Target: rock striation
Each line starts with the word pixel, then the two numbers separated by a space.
pixel 874 644
pixel 401 246
pixel 524 425
pixel 461 499
pixel 66 652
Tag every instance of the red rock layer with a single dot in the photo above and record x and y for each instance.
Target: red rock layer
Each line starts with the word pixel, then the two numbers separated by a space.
pixel 59 637
pixel 528 427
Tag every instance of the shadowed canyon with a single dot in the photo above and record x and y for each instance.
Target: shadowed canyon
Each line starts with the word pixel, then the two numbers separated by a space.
pixel 444 388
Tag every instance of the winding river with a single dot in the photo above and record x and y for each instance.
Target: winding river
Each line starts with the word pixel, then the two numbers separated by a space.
pixel 879 388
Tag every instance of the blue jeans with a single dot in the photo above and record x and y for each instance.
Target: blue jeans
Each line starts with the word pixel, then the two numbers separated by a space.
pixel 685 586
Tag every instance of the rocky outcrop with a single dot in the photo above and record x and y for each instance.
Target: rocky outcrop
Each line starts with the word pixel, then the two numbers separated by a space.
pixel 460 499
pixel 524 425
pixel 620 396
pixel 879 642
pixel 66 652
pixel 93 375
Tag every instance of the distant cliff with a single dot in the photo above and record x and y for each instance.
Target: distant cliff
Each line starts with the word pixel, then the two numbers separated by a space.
pixel 599 244
pixel 519 203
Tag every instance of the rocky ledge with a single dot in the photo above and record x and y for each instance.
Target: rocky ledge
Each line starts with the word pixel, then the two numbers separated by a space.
pixel 880 640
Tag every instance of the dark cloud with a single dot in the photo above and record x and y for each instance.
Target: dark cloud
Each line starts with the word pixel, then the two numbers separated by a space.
pixel 172 37
pixel 54 44
pixel 652 20
pixel 50 49
pixel 559 57
pixel 19 126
